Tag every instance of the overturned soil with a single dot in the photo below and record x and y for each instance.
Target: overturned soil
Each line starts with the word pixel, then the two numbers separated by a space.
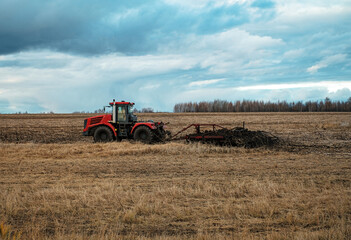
pixel 236 137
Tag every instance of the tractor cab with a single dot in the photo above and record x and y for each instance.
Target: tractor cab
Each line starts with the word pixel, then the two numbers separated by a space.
pixel 122 124
pixel 122 112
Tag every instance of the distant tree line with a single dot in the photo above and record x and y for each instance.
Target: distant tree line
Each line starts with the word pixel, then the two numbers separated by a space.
pixel 326 105
pixel 26 112
pixel 144 110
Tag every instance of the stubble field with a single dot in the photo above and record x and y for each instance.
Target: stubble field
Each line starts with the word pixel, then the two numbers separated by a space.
pixel 57 184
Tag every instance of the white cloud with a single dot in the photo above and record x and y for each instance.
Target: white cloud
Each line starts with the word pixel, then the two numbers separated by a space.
pixel 294 19
pixel 203 3
pixel 234 40
pixel 150 86
pixel 205 82
pixel 308 12
pixel 316 67
pixel 226 51
pixel 12 80
pixel 330 86
pixel 272 92
pixel 334 59
pixel 292 54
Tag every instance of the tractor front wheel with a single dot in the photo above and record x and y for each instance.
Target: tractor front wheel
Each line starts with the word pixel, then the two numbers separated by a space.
pixel 143 134
pixel 103 134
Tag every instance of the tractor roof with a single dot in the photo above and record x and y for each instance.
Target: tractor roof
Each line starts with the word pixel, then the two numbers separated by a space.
pixel 122 102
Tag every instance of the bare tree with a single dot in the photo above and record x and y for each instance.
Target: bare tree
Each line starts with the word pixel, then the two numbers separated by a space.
pixel 261 106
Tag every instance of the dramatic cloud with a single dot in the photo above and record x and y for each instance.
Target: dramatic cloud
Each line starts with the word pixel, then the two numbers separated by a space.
pixel 99 27
pixel 66 56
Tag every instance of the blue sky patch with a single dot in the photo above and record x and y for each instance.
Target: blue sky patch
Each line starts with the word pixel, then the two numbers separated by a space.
pixel 263 4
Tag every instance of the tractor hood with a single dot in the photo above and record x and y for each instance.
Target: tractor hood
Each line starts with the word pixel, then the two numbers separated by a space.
pixel 89 122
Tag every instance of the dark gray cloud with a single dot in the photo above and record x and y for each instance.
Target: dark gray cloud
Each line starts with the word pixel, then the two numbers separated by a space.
pixel 99 27
pixel 61 25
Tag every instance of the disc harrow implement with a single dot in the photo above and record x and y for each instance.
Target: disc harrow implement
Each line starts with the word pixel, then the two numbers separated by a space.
pixel 236 137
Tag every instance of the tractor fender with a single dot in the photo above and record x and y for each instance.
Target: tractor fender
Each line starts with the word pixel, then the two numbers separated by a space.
pixel 109 125
pixel 150 125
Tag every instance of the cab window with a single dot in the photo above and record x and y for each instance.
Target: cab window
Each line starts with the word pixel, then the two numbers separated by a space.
pixel 122 117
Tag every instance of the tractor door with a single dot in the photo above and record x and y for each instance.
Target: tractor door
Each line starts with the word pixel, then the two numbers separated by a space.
pixel 122 114
pixel 122 121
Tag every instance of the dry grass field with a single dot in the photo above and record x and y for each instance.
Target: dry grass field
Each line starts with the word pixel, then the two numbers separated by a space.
pixel 57 184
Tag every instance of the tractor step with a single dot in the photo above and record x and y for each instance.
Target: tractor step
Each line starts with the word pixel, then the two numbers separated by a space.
pixel 123 132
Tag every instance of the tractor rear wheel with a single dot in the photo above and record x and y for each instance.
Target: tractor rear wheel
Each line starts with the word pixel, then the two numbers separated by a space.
pixel 103 134
pixel 143 134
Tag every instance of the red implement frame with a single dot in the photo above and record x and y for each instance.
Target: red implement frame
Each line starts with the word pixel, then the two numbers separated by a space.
pixel 197 129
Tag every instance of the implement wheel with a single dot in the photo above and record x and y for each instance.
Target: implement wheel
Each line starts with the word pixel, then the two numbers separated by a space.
pixel 143 134
pixel 103 134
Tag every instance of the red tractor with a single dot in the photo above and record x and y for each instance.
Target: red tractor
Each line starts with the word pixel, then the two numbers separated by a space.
pixel 123 124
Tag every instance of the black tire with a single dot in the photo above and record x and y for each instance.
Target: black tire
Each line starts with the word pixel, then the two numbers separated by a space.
pixel 143 134
pixel 103 134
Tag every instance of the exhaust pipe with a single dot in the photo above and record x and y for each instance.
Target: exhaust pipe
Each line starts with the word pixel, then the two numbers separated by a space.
pixel 114 111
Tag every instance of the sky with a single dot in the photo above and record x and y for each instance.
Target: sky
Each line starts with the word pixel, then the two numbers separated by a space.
pixel 65 56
